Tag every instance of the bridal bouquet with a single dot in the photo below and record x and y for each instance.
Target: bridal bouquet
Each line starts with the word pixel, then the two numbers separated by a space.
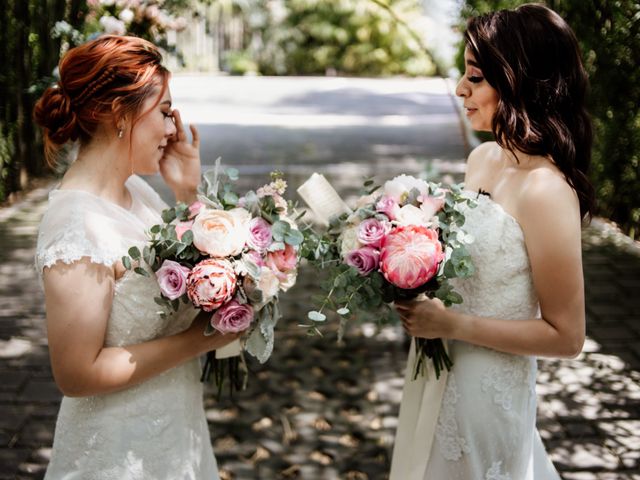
pixel 403 239
pixel 230 256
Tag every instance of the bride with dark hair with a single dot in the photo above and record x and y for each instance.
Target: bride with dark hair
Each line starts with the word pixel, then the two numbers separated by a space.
pixel 525 82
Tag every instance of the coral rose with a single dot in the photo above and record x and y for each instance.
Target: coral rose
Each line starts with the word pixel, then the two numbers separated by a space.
pixel 410 256
pixel 221 233
pixel 282 261
pixel 211 283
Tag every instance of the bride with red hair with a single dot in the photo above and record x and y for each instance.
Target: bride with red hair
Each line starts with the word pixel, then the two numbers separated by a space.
pixel 132 406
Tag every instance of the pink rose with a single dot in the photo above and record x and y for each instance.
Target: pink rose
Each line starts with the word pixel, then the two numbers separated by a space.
pixel 221 233
pixel 371 232
pixel 282 261
pixel 182 228
pixel 410 256
pixel 387 206
pixel 195 208
pixel 211 283
pixel 232 317
pixel 172 278
pixel 259 234
pixel 365 260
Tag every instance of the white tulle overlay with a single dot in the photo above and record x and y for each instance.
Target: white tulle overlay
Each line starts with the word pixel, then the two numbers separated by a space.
pixel 154 430
pixel 478 422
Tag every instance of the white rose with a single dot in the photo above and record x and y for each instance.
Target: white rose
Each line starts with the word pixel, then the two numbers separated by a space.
pixel 267 284
pixel 113 26
pixel 349 241
pixel 399 187
pixel 126 15
pixel 412 215
pixel 221 233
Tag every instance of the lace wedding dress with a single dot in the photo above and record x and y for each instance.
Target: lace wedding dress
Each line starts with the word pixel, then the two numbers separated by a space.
pixel 154 430
pixel 478 421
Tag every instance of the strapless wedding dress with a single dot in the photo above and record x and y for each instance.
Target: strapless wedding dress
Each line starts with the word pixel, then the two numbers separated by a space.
pixel 478 421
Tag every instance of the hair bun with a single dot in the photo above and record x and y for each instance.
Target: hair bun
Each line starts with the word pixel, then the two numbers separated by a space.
pixel 54 112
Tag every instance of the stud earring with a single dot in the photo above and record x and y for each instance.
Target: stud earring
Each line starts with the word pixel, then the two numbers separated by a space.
pixel 120 133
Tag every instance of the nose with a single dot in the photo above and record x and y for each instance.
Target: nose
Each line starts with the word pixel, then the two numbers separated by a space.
pixel 462 89
pixel 169 126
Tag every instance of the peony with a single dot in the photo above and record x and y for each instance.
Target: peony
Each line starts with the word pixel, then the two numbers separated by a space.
pixel 412 215
pixel 365 260
pixel 371 232
pixel 388 206
pixel 349 241
pixel 182 228
pixel 259 234
pixel 410 256
pixel 172 278
pixel 211 283
pixel 232 317
pixel 282 261
pixel 221 233
pixel 400 187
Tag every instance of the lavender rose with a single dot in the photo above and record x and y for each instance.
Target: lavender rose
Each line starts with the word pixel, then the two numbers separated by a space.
pixel 259 234
pixel 388 206
pixel 172 278
pixel 372 231
pixel 232 317
pixel 365 260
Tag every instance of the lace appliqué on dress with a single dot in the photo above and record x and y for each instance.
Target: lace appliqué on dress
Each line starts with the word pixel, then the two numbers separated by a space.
pixel 451 443
pixel 494 473
pixel 504 378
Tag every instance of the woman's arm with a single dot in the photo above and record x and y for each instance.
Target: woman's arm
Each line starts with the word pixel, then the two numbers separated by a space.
pixel 78 303
pixel 549 214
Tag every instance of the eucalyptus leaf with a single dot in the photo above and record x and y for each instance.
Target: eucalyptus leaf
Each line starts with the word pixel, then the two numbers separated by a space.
pixel 141 271
pixel 316 316
pixel 126 261
pixel 134 252
pixel 343 311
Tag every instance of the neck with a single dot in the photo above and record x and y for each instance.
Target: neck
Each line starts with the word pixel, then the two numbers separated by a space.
pixel 102 167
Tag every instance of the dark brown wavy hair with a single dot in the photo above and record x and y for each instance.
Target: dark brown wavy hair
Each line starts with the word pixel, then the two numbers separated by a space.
pixel 531 57
pixel 101 82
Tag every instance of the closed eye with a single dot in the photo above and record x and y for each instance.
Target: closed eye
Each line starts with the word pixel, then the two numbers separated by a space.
pixel 475 78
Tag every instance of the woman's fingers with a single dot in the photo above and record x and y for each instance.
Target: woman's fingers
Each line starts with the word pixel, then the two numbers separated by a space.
pixel 195 135
pixel 181 136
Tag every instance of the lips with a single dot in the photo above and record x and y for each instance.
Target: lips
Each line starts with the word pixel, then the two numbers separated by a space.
pixel 470 111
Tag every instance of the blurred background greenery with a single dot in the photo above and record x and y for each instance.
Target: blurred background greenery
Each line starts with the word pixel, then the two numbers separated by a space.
pixel 317 37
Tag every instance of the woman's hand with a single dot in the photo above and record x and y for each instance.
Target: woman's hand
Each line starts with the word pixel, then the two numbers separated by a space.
pixel 180 165
pixel 425 318
pixel 209 342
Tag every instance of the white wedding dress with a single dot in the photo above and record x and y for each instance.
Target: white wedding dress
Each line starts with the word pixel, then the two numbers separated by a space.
pixel 154 430
pixel 478 421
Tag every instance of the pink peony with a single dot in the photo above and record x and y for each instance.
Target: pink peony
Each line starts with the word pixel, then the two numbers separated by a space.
pixel 259 234
pixel 232 317
pixel 172 278
pixel 365 260
pixel 372 231
pixel 211 283
pixel 387 206
pixel 182 228
pixel 410 255
pixel 282 261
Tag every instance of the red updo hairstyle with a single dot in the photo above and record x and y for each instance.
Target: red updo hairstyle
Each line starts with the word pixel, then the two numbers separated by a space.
pixel 101 82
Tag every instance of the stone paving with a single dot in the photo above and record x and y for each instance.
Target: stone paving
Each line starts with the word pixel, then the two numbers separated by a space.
pixel 319 410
